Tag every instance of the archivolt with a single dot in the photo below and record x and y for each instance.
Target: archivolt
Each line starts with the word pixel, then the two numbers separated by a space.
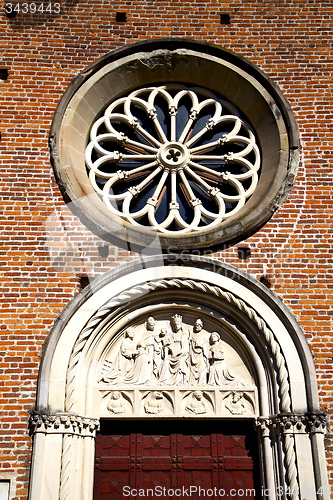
pixel 290 428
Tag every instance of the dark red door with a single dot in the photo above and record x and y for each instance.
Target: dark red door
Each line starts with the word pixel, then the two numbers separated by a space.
pixel 176 459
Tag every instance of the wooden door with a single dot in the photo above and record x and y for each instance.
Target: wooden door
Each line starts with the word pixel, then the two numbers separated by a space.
pixel 176 459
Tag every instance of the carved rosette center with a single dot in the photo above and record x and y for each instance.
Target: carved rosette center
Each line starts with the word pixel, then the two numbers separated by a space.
pixel 173 156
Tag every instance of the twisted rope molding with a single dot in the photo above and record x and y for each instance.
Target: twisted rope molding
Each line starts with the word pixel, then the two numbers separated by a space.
pixel 65 466
pixel 290 466
pixel 71 427
pixel 287 426
pixel 140 290
pixel 290 424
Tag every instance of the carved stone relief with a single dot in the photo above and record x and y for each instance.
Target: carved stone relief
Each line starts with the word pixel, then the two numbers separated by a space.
pixel 239 402
pixel 182 367
pixel 199 403
pixel 157 403
pixel 119 402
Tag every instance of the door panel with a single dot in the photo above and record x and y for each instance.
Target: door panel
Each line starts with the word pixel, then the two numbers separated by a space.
pixel 152 457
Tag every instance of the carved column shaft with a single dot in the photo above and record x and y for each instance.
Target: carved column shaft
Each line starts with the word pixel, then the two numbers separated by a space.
pixel 296 432
pixel 65 466
pixel 63 439
pixel 263 429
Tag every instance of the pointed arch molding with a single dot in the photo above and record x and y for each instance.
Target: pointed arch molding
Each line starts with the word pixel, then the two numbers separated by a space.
pixel 252 322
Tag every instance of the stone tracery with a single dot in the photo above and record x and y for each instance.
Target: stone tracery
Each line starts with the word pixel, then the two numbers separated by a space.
pixel 189 159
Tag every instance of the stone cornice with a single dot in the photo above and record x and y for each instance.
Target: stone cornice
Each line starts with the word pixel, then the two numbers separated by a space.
pixel 293 423
pixel 63 423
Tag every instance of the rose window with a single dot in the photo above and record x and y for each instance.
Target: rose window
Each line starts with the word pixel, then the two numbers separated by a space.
pixel 174 144
pixel 172 158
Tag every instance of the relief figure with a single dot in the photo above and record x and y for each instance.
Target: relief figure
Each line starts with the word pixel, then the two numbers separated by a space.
pixel 196 404
pixel 154 403
pixel 236 405
pixel 159 349
pixel 123 361
pixel 166 353
pixel 178 355
pixel 140 373
pixel 179 349
pixel 115 405
pixel 198 359
pixel 218 369
pixel 148 341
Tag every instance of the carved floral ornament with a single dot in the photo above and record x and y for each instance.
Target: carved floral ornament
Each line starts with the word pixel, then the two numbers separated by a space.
pixel 182 144
pixel 290 423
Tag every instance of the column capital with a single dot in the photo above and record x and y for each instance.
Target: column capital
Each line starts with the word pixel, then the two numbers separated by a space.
pixel 62 423
pixel 293 423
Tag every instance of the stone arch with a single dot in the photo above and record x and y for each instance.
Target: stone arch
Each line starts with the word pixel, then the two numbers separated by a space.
pixel 252 322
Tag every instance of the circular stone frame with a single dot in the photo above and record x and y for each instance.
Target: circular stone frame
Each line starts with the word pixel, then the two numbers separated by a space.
pixel 177 61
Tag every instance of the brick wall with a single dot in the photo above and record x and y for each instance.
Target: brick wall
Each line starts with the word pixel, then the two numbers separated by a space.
pixel 46 253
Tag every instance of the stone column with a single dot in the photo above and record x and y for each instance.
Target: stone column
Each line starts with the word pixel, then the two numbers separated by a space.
pixel 317 424
pixel 61 468
pixel 297 441
pixel 263 427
